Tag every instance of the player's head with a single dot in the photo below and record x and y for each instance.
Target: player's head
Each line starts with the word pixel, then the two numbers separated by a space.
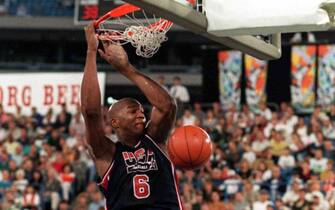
pixel 127 117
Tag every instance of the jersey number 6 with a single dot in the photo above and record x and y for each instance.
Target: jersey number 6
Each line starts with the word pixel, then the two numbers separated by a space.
pixel 141 186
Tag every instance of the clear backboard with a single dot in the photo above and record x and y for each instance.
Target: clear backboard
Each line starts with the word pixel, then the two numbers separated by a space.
pixel 195 20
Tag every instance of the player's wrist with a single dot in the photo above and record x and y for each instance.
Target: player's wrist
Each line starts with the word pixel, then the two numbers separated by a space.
pixel 126 70
pixel 92 47
pixel 92 50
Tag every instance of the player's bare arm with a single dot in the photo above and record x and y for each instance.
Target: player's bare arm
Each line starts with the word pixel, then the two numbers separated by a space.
pixel 163 113
pixel 100 148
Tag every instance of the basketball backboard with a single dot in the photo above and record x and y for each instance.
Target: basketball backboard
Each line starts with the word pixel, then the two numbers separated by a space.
pixel 196 21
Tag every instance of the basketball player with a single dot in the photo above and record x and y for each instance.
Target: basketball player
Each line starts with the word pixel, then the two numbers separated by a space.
pixel 135 172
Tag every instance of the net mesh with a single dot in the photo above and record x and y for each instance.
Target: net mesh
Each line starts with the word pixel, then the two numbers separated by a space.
pixel 145 34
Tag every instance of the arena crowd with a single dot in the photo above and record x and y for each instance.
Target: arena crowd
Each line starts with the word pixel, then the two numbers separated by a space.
pixel 262 160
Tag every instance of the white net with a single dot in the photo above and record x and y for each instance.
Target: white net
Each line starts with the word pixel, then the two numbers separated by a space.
pixel 146 35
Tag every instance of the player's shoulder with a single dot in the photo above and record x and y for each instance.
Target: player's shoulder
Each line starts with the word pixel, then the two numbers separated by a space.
pixel 161 147
pixel 147 139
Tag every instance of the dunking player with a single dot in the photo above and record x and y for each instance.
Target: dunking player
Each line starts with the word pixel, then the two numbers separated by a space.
pixel 135 172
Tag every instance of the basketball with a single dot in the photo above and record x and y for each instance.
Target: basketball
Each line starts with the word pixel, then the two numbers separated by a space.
pixel 189 147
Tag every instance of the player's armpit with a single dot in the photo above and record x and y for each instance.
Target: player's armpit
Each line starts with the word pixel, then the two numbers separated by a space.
pixel 105 156
pixel 100 148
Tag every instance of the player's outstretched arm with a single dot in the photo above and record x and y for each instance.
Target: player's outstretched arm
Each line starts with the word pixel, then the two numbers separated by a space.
pixel 163 113
pixel 100 148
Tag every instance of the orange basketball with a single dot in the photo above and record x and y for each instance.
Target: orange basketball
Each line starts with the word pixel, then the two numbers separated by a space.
pixel 189 147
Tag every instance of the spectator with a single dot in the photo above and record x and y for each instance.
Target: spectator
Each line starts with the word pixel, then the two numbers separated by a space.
pixel 271 125
pixel 233 155
pixel 179 91
pixel 318 141
pixel 217 109
pixel 301 128
pixel 244 170
pixel 181 94
pixel 77 125
pixel 30 198
pixel 278 144
pixel 301 203
pixel 49 119
pixel 66 178
pixel 13 169
pixel 66 114
pixel 314 189
pixel 304 171
pixel 207 190
pixel 11 145
pixel 297 147
pixel 319 114
pixel 62 123
pixel 20 182
pixel 318 202
pixel 332 112
pixel 52 190
pixel 292 195
pixel 197 110
pixel 276 185
pixel 161 81
pixel 54 139
pixel 232 185
pixel 279 205
pixel 249 195
pixel 198 201
pixel 286 162
pixel 265 111
pixel 10 201
pixel 263 202
pixel 327 177
pixel 318 164
pixel 37 117
pixel 188 118
pixel 328 150
pixel 81 202
pixel 283 107
pixel 239 202
pixel 328 129
pixel 248 154
pixel 188 193
pixel 5 182
pixel 97 201
pixel 80 170
pixel 64 205
pixel 18 155
pixel 260 144
pixel 210 120
pixel 37 181
pixel 215 203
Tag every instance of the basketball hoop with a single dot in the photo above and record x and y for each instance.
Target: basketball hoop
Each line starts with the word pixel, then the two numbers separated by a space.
pixel 145 35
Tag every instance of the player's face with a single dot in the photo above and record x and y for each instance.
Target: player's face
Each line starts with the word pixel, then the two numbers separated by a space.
pixel 133 119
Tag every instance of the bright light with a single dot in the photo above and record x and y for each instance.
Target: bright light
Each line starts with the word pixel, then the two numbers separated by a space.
pixel 111 100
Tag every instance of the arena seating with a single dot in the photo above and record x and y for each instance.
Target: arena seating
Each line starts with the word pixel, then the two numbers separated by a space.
pixel 264 158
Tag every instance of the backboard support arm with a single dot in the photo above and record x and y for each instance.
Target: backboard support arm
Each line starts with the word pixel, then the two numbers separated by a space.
pixel 197 23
